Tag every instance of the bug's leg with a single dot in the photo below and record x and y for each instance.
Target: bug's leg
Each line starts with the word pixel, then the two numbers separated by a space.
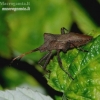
pixel 47 57
pixel 63 30
pixel 43 58
pixel 60 64
pixel 79 48
pixel 47 60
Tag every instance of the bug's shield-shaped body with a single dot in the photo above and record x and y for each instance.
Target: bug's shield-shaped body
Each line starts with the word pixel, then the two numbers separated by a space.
pixel 64 41
pixel 58 42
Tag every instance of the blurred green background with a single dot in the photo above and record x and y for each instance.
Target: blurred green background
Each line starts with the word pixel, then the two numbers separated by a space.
pixel 22 31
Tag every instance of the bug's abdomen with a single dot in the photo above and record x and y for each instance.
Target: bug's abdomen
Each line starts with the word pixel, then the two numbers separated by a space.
pixel 79 43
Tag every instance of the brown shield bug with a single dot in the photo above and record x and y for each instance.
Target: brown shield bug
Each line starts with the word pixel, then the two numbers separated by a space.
pixel 59 42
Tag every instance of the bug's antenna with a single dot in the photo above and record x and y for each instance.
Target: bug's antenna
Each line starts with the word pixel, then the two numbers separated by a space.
pixel 22 55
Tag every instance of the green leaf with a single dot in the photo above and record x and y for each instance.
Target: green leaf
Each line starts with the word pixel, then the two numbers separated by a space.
pixel 84 68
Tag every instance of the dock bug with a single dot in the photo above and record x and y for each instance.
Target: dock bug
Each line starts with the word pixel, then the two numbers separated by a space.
pixel 59 42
